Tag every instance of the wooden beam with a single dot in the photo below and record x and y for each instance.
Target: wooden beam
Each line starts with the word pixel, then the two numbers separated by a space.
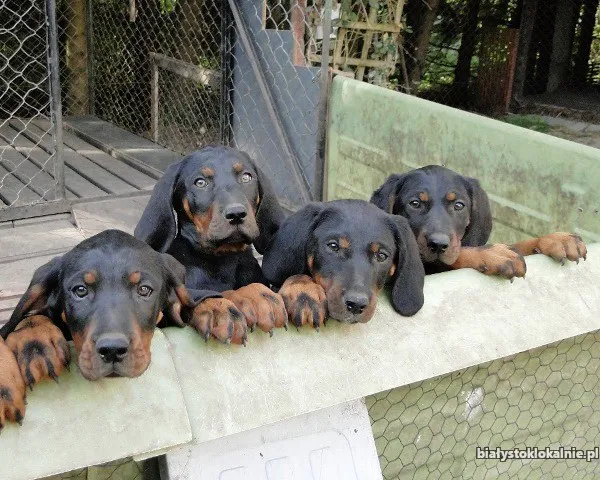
pixel 204 76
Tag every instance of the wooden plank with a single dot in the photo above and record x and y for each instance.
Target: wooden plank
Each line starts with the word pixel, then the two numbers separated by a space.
pixel 137 151
pixel 13 192
pixel 83 166
pixel 29 173
pixel 77 186
pixel 119 169
pixel 204 76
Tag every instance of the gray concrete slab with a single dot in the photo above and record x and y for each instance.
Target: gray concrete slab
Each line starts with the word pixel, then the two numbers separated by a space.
pixel 467 319
pixel 120 213
pixel 78 423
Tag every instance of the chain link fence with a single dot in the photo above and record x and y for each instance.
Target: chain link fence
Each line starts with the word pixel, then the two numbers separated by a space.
pixel 548 397
pixel 30 168
pixel 188 73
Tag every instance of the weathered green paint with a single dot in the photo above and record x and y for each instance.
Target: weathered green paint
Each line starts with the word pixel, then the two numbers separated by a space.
pixel 537 183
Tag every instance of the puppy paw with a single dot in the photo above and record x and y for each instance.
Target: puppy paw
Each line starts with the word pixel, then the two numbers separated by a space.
pixel 219 317
pixel 40 348
pixel 12 388
pixel 562 246
pixel 497 259
pixel 305 301
pixel 260 305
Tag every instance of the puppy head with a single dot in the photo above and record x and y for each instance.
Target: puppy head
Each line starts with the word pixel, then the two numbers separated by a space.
pixel 351 249
pixel 217 199
pixel 444 210
pixel 110 291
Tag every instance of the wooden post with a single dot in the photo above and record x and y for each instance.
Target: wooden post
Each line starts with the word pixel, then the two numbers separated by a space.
pixel 297 20
pixel 154 101
pixel 76 99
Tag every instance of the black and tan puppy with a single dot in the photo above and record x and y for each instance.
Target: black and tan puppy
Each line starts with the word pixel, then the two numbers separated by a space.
pixel 451 219
pixel 206 211
pixel 332 259
pixel 108 293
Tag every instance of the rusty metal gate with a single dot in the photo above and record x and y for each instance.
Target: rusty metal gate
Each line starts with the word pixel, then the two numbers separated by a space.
pixel 31 165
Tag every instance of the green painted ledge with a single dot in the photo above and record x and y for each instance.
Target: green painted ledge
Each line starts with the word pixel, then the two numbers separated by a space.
pixel 468 319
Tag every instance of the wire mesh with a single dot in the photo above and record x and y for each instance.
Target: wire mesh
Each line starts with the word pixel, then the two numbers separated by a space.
pixel 548 397
pixel 28 159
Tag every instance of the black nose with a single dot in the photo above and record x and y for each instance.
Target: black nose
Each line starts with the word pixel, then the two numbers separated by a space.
pixel 438 242
pixel 356 302
pixel 112 348
pixel 235 213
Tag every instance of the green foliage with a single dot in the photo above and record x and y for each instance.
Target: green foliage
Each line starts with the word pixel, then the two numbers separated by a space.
pixel 531 122
pixel 167 6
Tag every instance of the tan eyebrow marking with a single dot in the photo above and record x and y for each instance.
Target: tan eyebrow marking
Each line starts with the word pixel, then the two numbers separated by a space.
pixel 344 242
pixel 423 196
pixel 374 247
pixel 451 196
pixel 135 277
pixel 207 172
pixel 90 277
pixel 238 167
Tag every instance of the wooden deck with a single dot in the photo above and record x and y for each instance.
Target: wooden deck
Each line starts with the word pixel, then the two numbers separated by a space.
pixel 100 160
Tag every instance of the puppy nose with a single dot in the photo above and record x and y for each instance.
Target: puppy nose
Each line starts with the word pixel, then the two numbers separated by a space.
pixel 235 213
pixel 112 348
pixel 438 242
pixel 356 302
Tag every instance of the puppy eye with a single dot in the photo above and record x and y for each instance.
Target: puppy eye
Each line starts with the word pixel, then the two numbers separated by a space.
pixel 201 183
pixel 80 291
pixel 381 256
pixel 144 291
pixel 415 204
pixel 246 177
pixel 333 246
pixel 459 206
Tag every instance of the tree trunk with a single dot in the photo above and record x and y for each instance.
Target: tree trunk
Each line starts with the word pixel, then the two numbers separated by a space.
pixel 525 36
pixel 564 32
pixel 462 72
pixel 586 36
pixel 76 99
pixel 420 44
pixel 546 19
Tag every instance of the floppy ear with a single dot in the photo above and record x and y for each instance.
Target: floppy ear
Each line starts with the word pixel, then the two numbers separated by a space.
pixel 158 225
pixel 41 294
pixel 385 196
pixel 409 277
pixel 480 225
pixel 269 215
pixel 286 254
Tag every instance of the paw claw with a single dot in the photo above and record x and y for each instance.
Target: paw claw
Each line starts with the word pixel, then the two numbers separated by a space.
pixel 270 333
pixel 286 327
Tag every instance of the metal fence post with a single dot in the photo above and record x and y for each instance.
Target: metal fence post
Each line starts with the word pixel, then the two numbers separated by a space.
pixel 55 99
pixel 323 103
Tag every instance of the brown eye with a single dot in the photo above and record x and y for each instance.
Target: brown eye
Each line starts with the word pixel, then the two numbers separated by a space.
pixel 144 291
pixel 415 204
pixel 246 177
pixel 381 256
pixel 201 183
pixel 80 291
pixel 458 206
pixel 333 246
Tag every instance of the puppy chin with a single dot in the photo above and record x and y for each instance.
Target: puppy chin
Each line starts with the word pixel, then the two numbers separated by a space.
pixel 94 368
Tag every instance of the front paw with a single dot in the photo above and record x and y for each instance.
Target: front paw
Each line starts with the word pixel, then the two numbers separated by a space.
pixel 12 388
pixel 561 246
pixel 261 306
pixel 497 259
pixel 220 318
pixel 305 301
pixel 40 348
